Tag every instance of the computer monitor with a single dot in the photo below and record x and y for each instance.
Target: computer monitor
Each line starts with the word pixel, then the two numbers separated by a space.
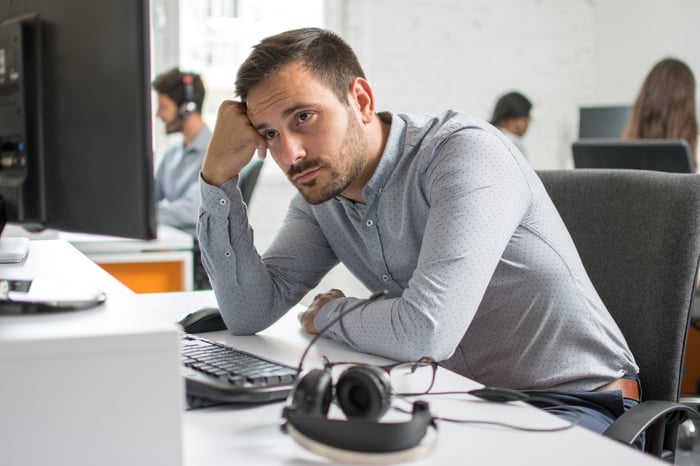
pixel 603 121
pixel 75 116
pixel 668 155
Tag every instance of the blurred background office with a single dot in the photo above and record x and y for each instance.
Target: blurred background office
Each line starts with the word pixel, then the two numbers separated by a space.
pixel 440 54
pixel 460 54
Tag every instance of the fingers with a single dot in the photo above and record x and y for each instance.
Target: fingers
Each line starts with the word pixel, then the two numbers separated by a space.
pixel 306 318
pixel 233 144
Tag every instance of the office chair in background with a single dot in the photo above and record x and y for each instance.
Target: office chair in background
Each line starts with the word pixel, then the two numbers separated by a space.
pixel 668 155
pixel 638 234
pixel 247 180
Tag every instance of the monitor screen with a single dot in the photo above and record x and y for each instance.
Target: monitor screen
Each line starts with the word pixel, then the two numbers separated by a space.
pixel 602 122
pixel 75 116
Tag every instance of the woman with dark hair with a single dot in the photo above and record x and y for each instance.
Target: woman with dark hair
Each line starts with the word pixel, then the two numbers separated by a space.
pixel 665 106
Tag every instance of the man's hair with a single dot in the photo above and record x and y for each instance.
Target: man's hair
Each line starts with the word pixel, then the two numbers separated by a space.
pixel 511 105
pixel 322 52
pixel 171 84
pixel 665 105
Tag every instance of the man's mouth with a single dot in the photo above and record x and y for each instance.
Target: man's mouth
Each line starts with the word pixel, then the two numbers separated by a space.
pixel 306 176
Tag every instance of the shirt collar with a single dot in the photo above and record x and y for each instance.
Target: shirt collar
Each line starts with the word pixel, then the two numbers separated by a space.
pixel 389 159
pixel 201 141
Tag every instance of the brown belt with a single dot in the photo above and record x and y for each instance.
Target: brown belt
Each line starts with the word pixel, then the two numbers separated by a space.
pixel 629 388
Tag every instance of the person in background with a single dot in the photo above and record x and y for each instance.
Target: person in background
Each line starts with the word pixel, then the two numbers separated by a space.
pixel 440 211
pixel 665 106
pixel 180 98
pixel 512 116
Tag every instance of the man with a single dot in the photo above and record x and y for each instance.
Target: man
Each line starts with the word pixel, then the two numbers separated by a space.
pixel 442 212
pixel 512 116
pixel 180 98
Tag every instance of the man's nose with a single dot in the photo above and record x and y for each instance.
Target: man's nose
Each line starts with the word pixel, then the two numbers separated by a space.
pixel 291 148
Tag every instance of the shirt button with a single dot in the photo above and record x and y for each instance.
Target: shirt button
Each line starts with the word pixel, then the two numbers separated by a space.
pixel 381 190
pixel 227 254
pixel 369 223
pixel 222 201
pixel 385 278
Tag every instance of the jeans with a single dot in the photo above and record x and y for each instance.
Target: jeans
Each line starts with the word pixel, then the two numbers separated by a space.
pixel 597 410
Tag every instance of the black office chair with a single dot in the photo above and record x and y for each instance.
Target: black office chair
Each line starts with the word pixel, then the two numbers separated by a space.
pixel 638 234
pixel 249 178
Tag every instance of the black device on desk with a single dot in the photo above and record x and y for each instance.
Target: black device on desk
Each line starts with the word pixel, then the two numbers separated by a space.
pixel 216 373
pixel 204 319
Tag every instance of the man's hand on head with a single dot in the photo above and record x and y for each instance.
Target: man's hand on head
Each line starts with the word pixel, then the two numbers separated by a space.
pixel 306 318
pixel 233 144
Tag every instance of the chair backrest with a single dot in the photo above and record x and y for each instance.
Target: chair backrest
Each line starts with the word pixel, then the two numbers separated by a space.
pixel 638 235
pixel 668 155
pixel 249 178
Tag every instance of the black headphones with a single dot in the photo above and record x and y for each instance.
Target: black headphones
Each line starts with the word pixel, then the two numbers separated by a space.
pixel 188 105
pixel 364 395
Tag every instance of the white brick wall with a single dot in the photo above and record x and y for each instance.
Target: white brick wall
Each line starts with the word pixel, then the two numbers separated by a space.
pixel 430 55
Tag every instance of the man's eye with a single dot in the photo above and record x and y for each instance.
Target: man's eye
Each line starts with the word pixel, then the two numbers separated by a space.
pixel 269 134
pixel 304 117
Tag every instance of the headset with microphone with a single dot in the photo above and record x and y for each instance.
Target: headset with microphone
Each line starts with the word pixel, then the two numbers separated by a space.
pixel 364 394
pixel 188 104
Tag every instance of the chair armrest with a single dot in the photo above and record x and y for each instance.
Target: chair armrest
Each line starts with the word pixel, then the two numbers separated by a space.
pixel 659 420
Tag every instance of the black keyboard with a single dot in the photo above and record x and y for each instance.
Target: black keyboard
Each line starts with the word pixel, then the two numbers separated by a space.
pixel 216 373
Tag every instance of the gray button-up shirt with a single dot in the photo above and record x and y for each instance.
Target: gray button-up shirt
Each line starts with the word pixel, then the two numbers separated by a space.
pixel 480 270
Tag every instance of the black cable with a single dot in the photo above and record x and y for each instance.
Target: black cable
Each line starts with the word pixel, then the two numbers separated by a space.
pixel 484 394
pixel 358 305
pixel 492 394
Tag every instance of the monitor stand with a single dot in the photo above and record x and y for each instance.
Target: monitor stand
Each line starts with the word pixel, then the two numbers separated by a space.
pixel 39 295
pixel 42 295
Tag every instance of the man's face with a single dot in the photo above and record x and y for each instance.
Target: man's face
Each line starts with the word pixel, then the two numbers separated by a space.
pixel 169 113
pixel 316 139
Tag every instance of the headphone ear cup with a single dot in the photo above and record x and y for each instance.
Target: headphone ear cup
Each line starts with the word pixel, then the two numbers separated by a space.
pixel 364 392
pixel 313 393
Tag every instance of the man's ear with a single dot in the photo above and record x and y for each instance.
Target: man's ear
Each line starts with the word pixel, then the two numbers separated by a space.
pixel 362 97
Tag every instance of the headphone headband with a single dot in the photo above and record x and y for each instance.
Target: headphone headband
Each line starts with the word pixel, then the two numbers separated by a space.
pixel 189 104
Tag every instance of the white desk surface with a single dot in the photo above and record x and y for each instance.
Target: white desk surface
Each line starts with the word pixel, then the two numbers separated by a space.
pixel 168 239
pixel 250 434
pixel 93 386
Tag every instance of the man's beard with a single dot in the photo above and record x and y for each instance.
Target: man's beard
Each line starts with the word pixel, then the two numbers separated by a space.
pixel 353 148
pixel 174 126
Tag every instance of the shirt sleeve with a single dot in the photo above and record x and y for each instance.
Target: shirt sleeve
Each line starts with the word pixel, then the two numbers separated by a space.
pixel 478 196
pixel 253 291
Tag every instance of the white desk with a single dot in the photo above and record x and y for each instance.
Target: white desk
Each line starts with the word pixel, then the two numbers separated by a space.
pixel 250 435
pixel 145 266
pixel 102 386
pixel 95 386
pixel 162 264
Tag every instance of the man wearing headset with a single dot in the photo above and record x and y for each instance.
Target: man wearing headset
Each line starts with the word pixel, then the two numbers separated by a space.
pixel 180 97
pixel 442 212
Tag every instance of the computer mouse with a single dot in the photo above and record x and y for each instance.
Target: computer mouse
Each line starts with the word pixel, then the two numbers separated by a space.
pixel 204 319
